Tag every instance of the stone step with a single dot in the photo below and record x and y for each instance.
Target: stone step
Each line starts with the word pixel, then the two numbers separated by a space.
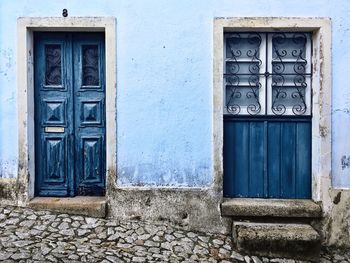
pixel 93 206
pixel 298 241
pixel 255 207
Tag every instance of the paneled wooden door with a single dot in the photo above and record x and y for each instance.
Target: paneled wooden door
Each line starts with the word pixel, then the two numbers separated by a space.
pixel 267 114
pixel 69 79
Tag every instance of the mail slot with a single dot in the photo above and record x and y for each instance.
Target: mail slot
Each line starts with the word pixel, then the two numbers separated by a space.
pixel 54 129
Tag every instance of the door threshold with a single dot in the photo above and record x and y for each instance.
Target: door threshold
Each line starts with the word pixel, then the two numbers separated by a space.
pixel 258 207
pixel 93 206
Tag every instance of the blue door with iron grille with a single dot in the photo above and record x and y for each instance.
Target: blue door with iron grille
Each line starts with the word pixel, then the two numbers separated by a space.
pixel 267 114
pixel 69 79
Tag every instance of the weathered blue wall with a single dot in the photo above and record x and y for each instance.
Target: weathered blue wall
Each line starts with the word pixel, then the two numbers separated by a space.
pixel 164 79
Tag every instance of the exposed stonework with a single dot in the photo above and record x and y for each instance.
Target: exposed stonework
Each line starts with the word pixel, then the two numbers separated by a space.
pixel 194 208
pixel 8 191
pixel 337 223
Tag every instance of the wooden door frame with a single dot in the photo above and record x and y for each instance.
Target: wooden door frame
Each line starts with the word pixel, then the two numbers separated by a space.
pixel 321 93
pixel 26 26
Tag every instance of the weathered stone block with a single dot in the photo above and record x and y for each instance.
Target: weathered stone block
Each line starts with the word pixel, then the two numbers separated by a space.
pixel 93 206
pixel 297 241
pixel 254 207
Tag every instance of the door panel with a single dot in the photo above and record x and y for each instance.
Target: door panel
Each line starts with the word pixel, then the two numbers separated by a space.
pixel 91 165
pixel 303 160
pixel 267 157
pixel 92 168
pixel 54 160
pixel 237 145
pixel 274 153
pixel 69 113
pixel 54 112
pixel 256 159
pixel 89 113
pixel 53 100
pixel 287 159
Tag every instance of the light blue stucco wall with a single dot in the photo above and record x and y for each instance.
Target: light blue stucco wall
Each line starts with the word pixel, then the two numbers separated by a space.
pixel 164 81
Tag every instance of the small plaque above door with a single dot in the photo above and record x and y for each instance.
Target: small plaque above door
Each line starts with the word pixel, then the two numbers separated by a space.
pixel 54 129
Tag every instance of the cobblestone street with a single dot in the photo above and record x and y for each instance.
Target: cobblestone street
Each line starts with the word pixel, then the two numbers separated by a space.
pixel 41 236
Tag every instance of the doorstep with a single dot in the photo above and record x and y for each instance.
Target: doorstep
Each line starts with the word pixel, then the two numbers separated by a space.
pixel 94 206
pixel 297 241
pixel 256 207
pixel 274 227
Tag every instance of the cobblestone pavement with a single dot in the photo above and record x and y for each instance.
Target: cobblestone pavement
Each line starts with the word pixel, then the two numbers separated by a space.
pixel 41 236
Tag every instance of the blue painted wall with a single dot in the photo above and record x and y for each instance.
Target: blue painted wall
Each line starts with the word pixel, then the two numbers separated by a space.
pixel 164 61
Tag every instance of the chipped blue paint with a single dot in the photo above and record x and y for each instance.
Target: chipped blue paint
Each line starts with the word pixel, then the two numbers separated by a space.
pixel 70 97
pixel 164 81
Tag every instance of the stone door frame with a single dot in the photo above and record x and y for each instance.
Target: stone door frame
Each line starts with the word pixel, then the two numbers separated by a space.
pixel 321 93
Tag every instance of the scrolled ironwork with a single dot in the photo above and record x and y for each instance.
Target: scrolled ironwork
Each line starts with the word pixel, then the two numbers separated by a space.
pixel 233 41
pixel 53 74
pixel 254 67
pixel 233 80
pixel 233 67
pixel 294 55
pixel 299 38
pixel 255 85
pixel 277 87
pixel 289 77
pixel 243 59
pixel 231 106
pixel 299 109
pixel 279 109
pixel 234 109
pixel 90 65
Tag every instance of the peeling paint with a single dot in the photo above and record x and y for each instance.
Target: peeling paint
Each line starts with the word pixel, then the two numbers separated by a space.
pixel 337 198
pixel 165 174
pixel 6 58
pixel 323 131
pixel 337 224
pixel 345 162
pixel 345 110
pixel 8 169
pixel 8 190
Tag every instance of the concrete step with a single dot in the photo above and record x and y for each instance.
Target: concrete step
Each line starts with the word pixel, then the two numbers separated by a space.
pixel 94 206
pixel 255 207
pixel 298 241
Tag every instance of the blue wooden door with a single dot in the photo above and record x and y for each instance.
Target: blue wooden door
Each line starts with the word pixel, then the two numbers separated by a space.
pixel 69 114
pixel 267 114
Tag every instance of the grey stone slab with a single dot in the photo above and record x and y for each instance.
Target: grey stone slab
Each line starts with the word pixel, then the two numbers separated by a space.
pixel 255 207
pixel 94 206
pixel 299 241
